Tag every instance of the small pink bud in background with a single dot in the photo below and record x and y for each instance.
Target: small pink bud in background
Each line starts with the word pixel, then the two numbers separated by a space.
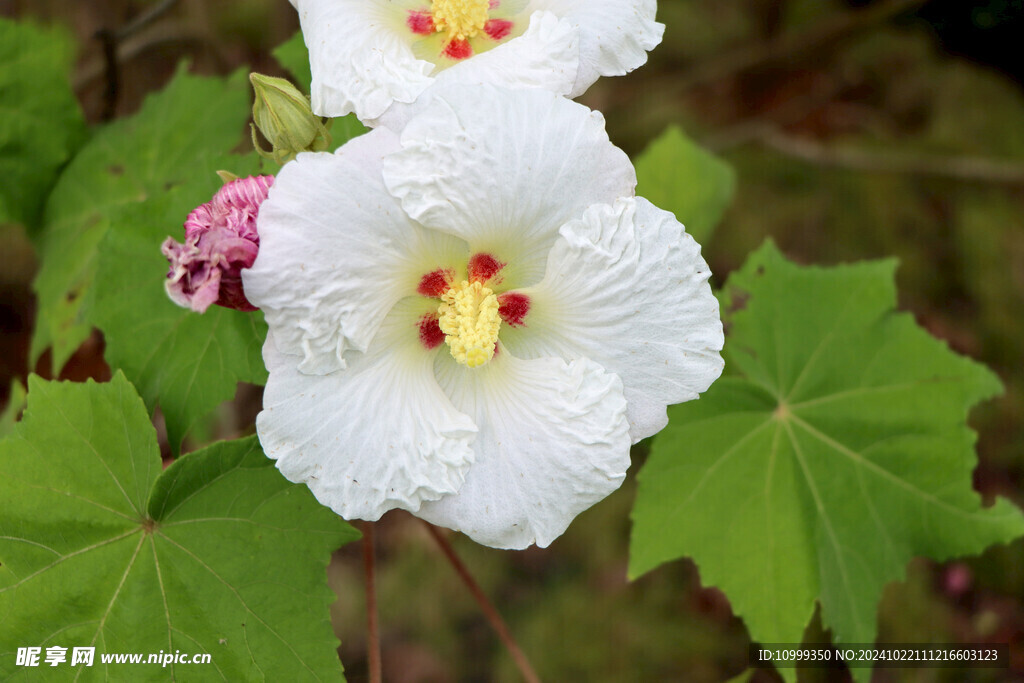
pixel 220 240
pixel 958 579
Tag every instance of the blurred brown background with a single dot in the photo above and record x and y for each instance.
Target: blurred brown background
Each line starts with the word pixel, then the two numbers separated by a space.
pixel 858 129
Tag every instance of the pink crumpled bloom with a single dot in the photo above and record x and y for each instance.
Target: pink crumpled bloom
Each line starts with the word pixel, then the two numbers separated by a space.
pixel 220 240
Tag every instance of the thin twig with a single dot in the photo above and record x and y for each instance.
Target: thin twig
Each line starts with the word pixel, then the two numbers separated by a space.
pixel 111 39
pixel 372 628
pixel 144 19
pixel 111 73
pixel 167 33
pixel 789 45
pixel 497 623
pixel 975 169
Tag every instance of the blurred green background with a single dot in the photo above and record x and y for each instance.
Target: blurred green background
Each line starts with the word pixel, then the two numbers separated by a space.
pixel 858 130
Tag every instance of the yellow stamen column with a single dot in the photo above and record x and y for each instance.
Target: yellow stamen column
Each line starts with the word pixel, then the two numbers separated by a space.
pixel 461 19
pixel 469 318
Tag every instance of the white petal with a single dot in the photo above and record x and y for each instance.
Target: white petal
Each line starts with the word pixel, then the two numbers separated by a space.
pixel 627 288
pixel 360 57
pixel 553 441
pixel 378 435
pixel 504 169
pixel 337 252
pixel 546 56
pixel 615 35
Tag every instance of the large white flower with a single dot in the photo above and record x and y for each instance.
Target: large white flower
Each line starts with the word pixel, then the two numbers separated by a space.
pixel 367 55
pixel 475 320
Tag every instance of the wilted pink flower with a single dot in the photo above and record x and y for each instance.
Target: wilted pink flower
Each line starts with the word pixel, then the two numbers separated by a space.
pixel 220 240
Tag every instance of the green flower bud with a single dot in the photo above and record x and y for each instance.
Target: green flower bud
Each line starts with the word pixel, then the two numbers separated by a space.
pixel 284 116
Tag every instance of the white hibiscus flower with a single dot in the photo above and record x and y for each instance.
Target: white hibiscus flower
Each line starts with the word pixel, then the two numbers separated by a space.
pixel 367 55
pixel 475 320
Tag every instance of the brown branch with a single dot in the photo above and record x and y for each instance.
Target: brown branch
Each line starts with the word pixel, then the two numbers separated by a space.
pixel 976 169
pixel 110 40
pixel 372 627
pixel 485 606
pixel 167 33
pixel 144 19
pixel 111 73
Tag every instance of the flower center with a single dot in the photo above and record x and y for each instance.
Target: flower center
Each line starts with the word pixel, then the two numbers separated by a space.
pixel 468 315
pixel 462 19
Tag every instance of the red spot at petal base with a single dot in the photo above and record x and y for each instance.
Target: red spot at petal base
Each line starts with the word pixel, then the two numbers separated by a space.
pixel 431 335
pixel 513 307
pixel 420 22
pixel 498 28
pixel 482 267
pixel 458 49
pixel 436 282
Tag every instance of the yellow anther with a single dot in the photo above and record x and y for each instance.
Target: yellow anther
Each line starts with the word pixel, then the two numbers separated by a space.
pixel 461 19
pixel 468 315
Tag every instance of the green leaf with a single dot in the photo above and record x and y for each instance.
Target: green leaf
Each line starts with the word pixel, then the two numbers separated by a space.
pixel 294 57
pixel 216 554
pixel 185 362
pixel 836 452
pixel 678 176
pixel 344 128
pixel 41 123
pixel 178 135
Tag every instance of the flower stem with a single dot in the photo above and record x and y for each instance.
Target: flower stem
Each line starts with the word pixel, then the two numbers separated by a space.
pixel 373 632
pixel 485 606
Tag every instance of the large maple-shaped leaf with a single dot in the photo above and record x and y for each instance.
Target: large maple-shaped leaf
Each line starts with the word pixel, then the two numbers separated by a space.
pixel 679 176
pixel 99 547
pixel 179 134
pixel 185 362
pixel 40 121
pixel 835 452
